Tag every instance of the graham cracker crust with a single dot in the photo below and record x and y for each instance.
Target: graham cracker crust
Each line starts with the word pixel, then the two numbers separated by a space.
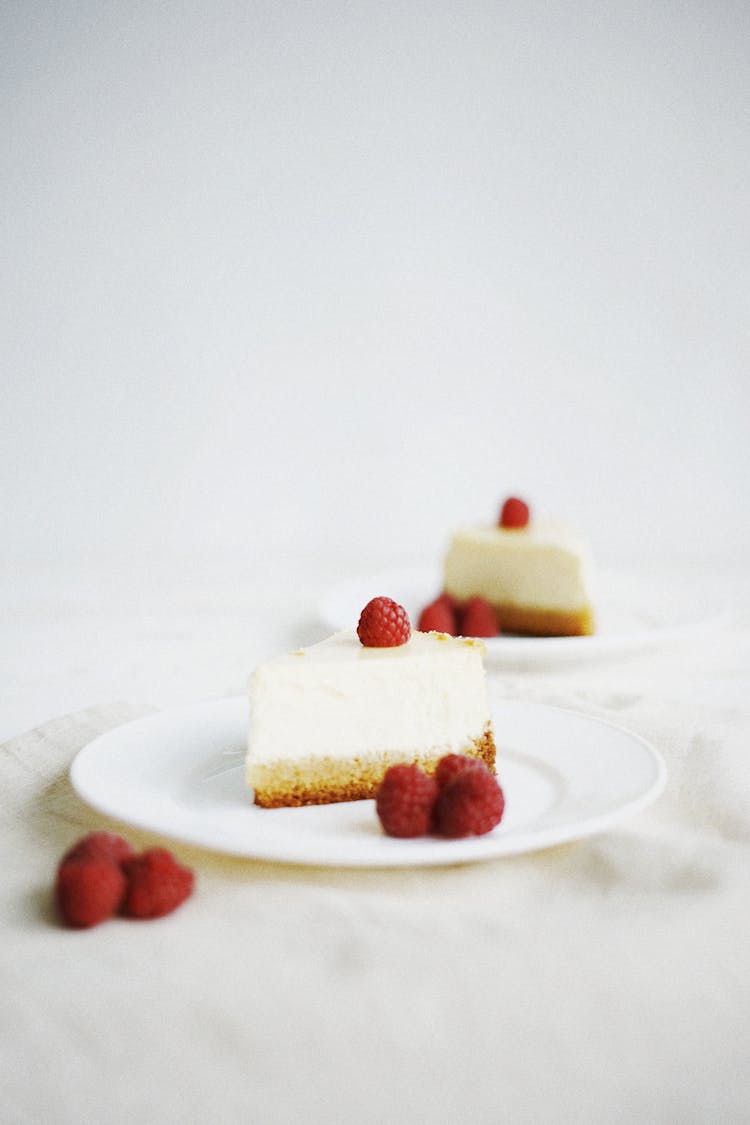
pixel 324 781
pixel 532 622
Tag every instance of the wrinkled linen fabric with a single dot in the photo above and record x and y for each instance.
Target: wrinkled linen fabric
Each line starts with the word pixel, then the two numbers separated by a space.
pixel 606 980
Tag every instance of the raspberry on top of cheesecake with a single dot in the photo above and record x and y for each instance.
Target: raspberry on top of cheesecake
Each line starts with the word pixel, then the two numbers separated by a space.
pixel 326 722
pixel 533 572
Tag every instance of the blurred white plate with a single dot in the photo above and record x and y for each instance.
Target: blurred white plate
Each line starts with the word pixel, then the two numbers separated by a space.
pixel 180 773
pixel 625 621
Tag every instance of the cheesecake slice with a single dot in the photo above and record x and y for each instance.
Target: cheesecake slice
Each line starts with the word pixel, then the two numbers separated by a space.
pixel 536 577
pixel 327 721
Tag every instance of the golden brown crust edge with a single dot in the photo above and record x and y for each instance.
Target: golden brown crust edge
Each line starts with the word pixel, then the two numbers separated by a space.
pixel 532 622
pixel 323 781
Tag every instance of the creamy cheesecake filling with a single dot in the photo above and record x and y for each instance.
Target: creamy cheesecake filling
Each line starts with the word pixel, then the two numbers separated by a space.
pixel 541 567
pixel 339 700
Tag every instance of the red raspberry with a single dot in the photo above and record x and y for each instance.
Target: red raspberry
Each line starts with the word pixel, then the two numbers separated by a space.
pixel 472 804
pixel 438 617
pixel 515 513
pixel 451 765
pixel 157 884
pixel 100 845
pixel 383 623
pixel 405 800
pixel 88 890
pixel 449 600
pixel 478 619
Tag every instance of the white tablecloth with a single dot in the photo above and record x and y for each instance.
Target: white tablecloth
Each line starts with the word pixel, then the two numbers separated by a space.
pixel 603 981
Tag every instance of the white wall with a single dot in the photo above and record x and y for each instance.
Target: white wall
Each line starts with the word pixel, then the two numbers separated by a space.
pixel 337 276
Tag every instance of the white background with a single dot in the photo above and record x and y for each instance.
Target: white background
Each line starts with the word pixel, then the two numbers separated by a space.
pixel 297 287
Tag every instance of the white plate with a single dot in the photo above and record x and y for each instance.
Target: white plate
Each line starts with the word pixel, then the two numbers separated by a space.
pixel 659 616
pixel 180 773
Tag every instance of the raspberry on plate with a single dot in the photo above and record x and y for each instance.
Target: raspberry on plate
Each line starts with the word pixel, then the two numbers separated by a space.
pixel 383 623
pixel 404 801
pixel 478 619
pixel 88 890
pixel 449 600
pixel 451 765
pixel 514 513
pixel 156 884
pixel 438 617
pixel 472 804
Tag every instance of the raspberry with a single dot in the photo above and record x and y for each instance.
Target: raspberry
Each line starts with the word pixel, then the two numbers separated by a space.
pixel 157 884
pixel 405 801
pixel 478 619
pixel 515 513
pixel 439 617
pixel 100 845
pixel 472 804
pixel 449 600
pixel 383 623
pixel 451 765
pixel 88 890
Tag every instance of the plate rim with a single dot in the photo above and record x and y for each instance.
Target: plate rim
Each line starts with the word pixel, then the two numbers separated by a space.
pixel 394 853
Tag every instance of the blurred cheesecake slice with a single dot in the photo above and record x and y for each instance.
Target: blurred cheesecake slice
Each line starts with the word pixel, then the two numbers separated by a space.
pixel 536 577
